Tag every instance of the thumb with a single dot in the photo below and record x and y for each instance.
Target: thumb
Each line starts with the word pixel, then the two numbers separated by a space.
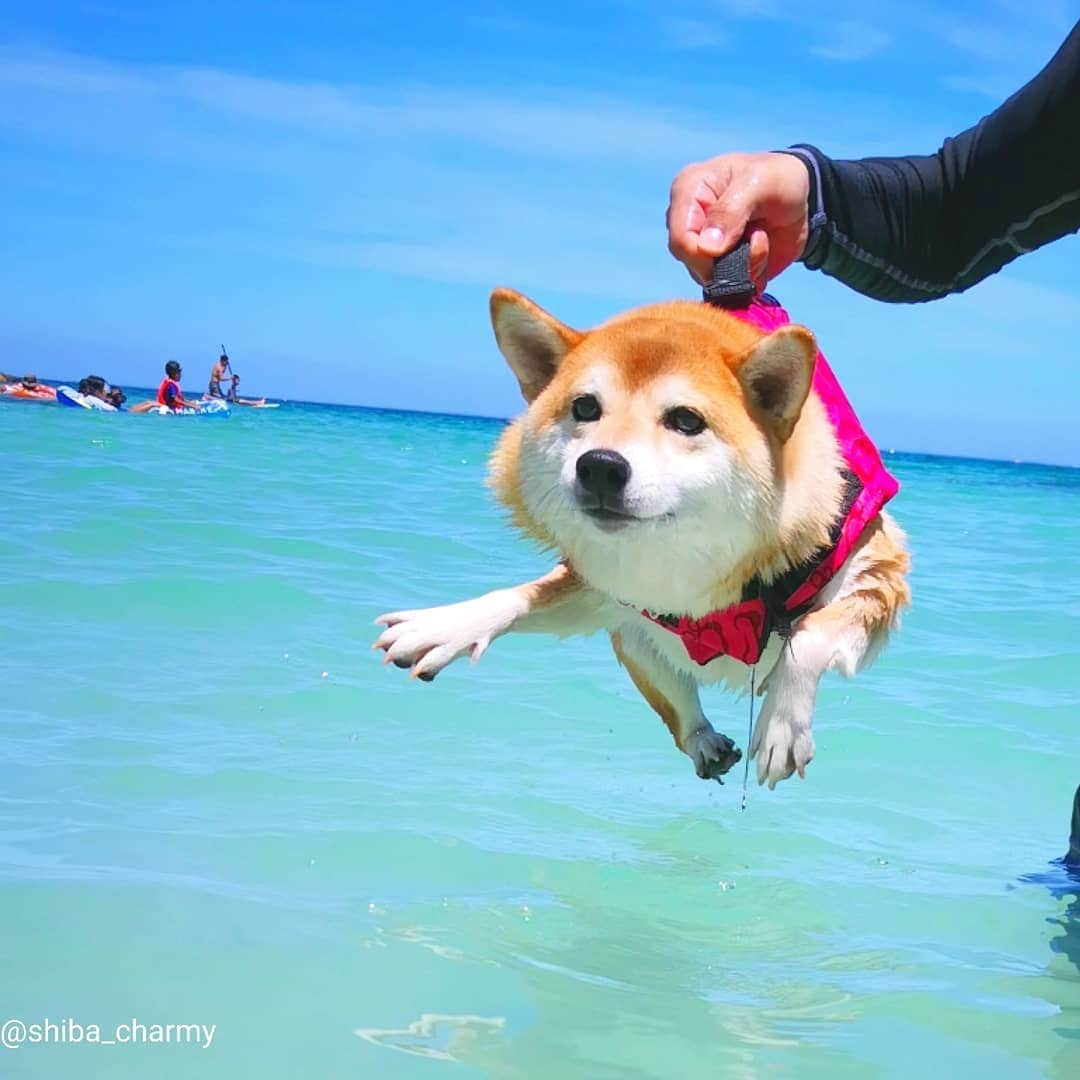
pixel 725 223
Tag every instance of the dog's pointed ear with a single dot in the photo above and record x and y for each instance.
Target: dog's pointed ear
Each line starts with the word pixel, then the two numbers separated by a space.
pixel 776 377
pixel 533 342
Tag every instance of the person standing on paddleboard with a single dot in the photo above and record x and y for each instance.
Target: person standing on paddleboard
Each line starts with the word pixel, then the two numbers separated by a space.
pixel 218 374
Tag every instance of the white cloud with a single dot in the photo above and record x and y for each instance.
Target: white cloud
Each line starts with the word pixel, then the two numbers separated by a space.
pixel 1015 37
pixel 694 34
pixel 538 122
pixel 852 41
pixel 571 267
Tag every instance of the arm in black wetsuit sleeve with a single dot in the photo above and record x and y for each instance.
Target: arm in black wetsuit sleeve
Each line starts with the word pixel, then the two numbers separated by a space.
pixel 910 229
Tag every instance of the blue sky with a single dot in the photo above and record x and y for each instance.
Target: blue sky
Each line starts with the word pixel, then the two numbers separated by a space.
pixel 332 190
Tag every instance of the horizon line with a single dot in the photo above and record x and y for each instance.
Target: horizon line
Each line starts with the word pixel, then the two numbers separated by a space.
pixel 892 451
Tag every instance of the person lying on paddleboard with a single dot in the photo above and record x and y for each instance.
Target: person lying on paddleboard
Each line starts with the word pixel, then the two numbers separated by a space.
pixel 232 395
pixel 28 387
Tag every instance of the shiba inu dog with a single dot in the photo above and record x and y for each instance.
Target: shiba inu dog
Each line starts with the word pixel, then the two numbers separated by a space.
pixel 716 507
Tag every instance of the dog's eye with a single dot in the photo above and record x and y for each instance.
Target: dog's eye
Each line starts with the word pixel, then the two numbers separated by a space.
pixel 586 408
pixel 684 421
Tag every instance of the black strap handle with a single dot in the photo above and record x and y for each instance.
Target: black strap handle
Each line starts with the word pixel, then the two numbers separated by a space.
pixel 731 285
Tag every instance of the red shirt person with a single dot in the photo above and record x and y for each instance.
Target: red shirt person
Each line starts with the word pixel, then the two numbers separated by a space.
pixel 169 393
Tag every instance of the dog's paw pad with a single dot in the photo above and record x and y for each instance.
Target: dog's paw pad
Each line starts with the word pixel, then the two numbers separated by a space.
pixel 712 753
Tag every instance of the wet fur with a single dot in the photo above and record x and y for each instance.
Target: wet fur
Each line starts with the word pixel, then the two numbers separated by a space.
pixel 754 496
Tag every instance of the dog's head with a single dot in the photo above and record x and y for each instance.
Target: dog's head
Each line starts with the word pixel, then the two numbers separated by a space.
pixel 653 444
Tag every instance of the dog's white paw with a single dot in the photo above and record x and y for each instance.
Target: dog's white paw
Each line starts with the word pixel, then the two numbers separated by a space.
pixel 783 741
pixel 429 639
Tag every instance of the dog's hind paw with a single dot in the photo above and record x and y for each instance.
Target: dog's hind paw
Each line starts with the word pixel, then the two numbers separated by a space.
pixel 783 743
pixel 712 753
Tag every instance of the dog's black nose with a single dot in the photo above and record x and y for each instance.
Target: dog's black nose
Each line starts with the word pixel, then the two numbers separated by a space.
pixel 603 473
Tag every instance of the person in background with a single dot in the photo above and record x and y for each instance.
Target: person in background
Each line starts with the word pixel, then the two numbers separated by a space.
pixel 29 387
pixel 30 382
pixel 169 393
pixel 234 397
pixel 93 386
pixel 218 374
pixel 903 229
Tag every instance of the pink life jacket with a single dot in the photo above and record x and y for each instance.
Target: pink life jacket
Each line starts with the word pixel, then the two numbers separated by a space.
pixel 742 631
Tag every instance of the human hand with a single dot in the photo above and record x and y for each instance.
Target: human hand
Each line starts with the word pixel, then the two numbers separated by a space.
pixel 715 203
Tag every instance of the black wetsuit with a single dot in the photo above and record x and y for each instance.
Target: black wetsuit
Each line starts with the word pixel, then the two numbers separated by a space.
pixel 1072 857
pixel 911 229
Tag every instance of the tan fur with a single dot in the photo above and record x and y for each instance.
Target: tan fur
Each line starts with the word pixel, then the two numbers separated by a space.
pixel 880 589
pixel 771 454
pixel 660 704
pixel 809 470
pixel 504 468
pixel 707 346
pixel 552 588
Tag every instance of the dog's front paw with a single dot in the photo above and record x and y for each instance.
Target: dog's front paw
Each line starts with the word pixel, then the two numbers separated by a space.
pixel 783 741
pixel 429 639
pixel 712 753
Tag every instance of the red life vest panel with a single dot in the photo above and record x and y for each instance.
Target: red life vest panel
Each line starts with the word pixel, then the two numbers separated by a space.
pixel 742 631
pixel 166 382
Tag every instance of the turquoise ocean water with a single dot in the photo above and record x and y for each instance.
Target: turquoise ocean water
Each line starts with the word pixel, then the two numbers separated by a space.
pixel 510 872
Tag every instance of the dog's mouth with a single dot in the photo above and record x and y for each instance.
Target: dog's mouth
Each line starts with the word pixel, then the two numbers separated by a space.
pixel 611 518
pixel 606 516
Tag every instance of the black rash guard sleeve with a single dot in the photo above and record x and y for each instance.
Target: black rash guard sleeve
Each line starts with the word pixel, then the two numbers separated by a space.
pixel 911 229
